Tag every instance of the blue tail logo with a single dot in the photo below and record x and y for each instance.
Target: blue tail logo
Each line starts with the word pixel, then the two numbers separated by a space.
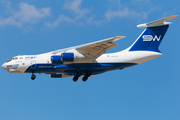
pixel 150 39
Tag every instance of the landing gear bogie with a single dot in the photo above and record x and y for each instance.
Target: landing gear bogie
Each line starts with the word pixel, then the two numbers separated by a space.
pixel 75 78
pixel 78 74
pixel 86 76
pixel 84 79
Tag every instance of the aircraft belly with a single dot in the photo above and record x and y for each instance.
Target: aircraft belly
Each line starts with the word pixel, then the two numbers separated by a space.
pixel 71 69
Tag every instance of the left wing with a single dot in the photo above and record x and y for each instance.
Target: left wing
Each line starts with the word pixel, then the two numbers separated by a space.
pixel 94 49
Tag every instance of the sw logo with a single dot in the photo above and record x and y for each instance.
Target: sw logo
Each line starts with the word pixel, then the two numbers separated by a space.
pixel 150 38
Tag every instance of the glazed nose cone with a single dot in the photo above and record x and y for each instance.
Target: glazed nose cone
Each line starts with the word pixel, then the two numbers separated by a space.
pixel 4 66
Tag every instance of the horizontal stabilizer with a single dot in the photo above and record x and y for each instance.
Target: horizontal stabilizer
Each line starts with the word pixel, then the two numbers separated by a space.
pixel 160 22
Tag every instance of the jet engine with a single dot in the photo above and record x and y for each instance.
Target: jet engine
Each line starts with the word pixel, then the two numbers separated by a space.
pixel 56 59
pixel 67 57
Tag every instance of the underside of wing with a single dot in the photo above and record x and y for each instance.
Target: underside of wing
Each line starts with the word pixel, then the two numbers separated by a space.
pixel 98 48
pixel 94 49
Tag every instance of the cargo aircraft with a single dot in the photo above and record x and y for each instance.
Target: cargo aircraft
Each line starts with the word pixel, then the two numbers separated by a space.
pixel 89 59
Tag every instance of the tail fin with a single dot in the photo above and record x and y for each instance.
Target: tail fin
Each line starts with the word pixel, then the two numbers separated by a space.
pixel 151 37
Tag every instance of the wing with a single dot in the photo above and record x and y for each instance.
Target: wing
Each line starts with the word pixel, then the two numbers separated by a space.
pixel 94 49
pixel 98 48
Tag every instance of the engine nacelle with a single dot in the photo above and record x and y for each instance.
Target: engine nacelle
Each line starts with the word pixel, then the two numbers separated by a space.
pixel 67 57
pixel 56 59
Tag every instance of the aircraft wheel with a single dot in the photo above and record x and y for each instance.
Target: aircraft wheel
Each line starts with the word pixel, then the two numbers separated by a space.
pixel 75 78
pixel 85 78
pixel 33 77
pixel 79 73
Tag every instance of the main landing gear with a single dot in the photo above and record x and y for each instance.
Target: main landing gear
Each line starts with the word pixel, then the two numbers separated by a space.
pixel 86 76
pixel 33 76
pixel 79 73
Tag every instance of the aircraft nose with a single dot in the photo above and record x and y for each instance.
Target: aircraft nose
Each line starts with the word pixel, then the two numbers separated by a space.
pixel 12 68
pixel 4 66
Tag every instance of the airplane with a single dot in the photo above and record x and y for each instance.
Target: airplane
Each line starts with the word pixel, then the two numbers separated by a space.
pixel 90 59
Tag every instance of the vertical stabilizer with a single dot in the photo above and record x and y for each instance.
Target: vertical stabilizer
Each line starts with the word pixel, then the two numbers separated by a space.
pixel 151 37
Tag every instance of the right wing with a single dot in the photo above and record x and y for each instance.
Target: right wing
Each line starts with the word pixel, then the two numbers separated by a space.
pixel 94 49
pixel 98 48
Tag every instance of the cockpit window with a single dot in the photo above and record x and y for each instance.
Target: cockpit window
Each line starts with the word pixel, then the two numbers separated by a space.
pixel 14 58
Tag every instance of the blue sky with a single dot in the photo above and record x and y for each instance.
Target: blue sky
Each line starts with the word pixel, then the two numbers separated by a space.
pixel 149 91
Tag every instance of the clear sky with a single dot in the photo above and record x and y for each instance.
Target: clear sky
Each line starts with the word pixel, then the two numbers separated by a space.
pixel 149 91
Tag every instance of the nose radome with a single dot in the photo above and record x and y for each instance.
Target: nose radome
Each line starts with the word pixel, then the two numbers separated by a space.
pixel 4 65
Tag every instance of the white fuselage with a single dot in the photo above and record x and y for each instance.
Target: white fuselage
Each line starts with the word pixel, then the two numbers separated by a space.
pixel 22 63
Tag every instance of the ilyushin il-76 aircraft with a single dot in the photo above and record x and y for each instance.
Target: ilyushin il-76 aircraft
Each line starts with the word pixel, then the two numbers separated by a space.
pixel 89 59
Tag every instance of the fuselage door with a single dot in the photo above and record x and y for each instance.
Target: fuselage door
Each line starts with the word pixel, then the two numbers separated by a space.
pixel 33 64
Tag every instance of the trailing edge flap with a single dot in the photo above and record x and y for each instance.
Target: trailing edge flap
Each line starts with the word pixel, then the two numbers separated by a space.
pixel 96 49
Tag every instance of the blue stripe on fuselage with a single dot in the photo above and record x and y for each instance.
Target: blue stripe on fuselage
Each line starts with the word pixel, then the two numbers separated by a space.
pixel 72 69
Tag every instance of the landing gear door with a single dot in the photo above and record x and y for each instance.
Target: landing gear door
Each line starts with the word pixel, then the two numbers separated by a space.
pixel 33 64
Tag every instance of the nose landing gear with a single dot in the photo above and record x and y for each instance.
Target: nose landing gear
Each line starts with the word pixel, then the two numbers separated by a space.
pixel 33 76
